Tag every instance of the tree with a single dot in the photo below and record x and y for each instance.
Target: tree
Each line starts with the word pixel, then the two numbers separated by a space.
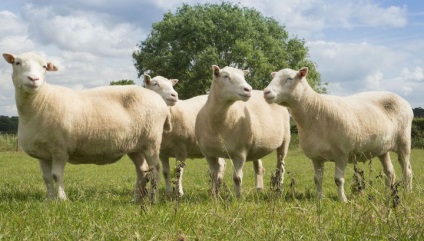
pixel 123 82
pixel 418 112
pixel 8 124
pixel 186 44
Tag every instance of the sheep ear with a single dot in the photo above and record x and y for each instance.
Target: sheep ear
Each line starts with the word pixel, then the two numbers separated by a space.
pixel 174 81
pixel 303 72
pixel 147 79
pixel 10 58
pixel 245 72
pixel 51 67
pixel 216 70
pixel 273 74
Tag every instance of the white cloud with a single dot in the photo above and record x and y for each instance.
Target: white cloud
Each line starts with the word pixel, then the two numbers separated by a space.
pixel 351 68
pixel 83 32
pixel 413 75
pixel 372 82
pixel 345 62
pixel 308 18
pixel 13 32
pixel 375 16
pixel 10 24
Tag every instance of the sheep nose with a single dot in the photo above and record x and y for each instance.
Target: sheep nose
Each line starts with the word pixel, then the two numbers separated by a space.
pixel 247 89
pixel 33 79
pixel 266 92
pixel 174 94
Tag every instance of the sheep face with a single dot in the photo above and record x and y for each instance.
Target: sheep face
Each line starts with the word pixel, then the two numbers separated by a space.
pixel 231 83
pixel 29 71
pixel 285 86
pixel 164 87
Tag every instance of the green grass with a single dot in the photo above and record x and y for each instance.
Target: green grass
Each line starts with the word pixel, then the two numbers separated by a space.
pixel 100 205
pixel 8 142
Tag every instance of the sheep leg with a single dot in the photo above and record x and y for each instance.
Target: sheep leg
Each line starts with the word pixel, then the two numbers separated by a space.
pixel 142 170
pixel 57 170
pixel 238 163
pixel 217 168
pixel 46 169
pixel 388 169
pixel 339 179
pixel 280 170
pixel 403 158
pixel 152 158
pixel 166 171
pixel 318 176
pixel 179 173
pixel 259 178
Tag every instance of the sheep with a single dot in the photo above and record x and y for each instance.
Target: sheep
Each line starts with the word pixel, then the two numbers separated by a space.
pixel 345 130
pixel 58 125
pixel 181 142
pixel 237 123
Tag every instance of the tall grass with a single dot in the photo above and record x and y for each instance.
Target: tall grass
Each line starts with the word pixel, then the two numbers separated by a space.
pixel 100 205
pixel 8 142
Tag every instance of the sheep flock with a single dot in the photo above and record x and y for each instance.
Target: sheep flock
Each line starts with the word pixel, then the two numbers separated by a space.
pixel 59 125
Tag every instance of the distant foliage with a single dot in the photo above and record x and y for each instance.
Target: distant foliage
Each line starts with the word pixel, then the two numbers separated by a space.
pixel 9 124
pixel 417 133
pixel 123 82
pixel 418 112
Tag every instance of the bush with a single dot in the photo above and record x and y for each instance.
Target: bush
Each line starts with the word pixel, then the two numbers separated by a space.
pixel 417 133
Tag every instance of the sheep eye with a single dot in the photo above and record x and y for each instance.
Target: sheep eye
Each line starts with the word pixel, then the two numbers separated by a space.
pixel 45 66
pixel 226 76
pixel 17 63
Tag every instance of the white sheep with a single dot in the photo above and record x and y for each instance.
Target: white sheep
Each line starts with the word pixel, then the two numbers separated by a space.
pixel 345 129
pixel 181 142
pixel 237 123
pixel 58 125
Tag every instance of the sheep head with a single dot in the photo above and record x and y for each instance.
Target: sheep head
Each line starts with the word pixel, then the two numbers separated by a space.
pixel 231 83
pixel 285 86
pixel 162 86
pixel 29 71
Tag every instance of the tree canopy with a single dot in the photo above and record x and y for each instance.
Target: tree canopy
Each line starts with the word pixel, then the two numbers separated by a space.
pixel 8 124
pixel 186 44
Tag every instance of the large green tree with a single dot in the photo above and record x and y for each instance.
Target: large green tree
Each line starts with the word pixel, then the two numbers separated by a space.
pixel 186 44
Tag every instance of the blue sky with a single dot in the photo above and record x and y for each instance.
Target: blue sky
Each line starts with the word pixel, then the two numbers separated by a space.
pixel 358 45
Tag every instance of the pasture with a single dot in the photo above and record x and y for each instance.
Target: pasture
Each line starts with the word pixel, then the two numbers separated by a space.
pixel 100 205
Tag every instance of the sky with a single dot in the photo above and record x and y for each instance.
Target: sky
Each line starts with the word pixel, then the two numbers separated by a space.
pixel 357 45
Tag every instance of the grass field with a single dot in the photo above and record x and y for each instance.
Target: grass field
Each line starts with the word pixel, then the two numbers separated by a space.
pixel 100 205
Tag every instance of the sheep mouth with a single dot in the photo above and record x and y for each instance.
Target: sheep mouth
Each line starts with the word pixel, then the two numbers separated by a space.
pixel 269 98
pixel 31 86
pixel 171 101
pixel 245 95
